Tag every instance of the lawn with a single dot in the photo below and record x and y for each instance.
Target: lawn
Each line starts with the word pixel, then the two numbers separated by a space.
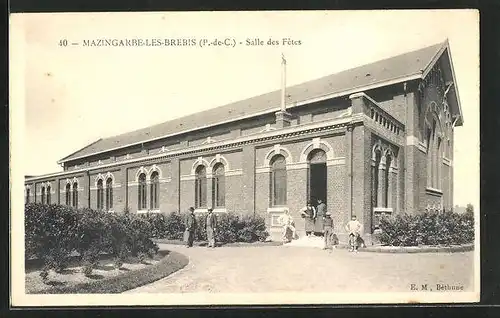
pixel 106 278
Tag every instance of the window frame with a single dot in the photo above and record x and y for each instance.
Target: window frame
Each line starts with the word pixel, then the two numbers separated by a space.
pixel 278 175
pixel 154 188
pixel 200 187
pixel 100 194
pixel 109 194
pixel 75 194
pixel 219 186
pixel 142 192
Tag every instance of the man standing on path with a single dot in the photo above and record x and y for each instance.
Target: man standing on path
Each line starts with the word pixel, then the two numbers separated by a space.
pixel 190 227
pixel 211 227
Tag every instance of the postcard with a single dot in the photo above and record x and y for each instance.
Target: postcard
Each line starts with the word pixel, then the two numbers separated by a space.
pixel 244 158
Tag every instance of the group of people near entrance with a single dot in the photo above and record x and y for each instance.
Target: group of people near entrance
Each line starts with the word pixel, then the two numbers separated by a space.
pixel 319 220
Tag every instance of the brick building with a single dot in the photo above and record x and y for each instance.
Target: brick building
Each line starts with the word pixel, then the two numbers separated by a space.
pixel 370 140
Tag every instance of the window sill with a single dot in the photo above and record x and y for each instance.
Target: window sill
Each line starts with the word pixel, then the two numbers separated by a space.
pixel 201 210
pixel 422 147
pixel 277 209
pixel 382 210
pixel 220 210
pixel 433 191
pixel 147 211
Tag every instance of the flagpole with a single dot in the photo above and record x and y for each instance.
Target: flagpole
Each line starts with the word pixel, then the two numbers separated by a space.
pixel 283 82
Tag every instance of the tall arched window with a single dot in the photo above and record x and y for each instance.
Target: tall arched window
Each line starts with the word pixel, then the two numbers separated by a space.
pixel 387 188
pixel 154 193
pixel 375 177
pixel 75 194
pixel 142 192
pixel 109 194
pixel 68 194
pixel 200 184
pixel 278 181
pixel 48 194
pixel 100 195
pixel 218 186
pixel 27 195
pixel 43 195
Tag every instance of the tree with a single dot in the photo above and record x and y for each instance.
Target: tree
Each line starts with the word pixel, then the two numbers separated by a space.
pixel 469 208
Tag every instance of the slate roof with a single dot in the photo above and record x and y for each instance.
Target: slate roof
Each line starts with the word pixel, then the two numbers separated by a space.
pixel 400 66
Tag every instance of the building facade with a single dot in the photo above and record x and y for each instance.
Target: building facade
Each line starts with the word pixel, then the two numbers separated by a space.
pixel 373 140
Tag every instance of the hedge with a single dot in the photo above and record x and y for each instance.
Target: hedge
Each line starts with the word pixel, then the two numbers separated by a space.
pixel 54 232
pixel 429 228
pixel 230 227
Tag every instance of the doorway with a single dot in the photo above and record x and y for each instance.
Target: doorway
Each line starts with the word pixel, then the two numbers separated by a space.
pixel 317 179
pixel 317 182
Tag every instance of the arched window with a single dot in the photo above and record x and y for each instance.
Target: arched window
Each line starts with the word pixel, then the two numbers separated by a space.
pixel 218 186
pixel 48 194
pixel 68 194
pixel 43 195
pixel 434 152
pixel 375 177
pixel 109 194
pixel 154 193
pixel 278 181
pixel 100 195
pixel 387 179
pixel 27 195
pixel 142 192
pixel 75 194
pixel 200 199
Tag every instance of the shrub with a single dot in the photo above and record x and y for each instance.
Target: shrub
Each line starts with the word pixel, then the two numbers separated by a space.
pixel 157 222
pixel 53 232
pixel 443 228
pixel 50 233
pixel 174 226
pixel 231 228
pixel 254 229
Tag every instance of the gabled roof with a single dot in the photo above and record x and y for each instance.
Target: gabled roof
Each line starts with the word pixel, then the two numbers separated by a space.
pixel 392 70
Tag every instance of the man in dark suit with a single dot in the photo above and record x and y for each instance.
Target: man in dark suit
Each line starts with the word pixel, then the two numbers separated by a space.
pixel 211 227
pixel 190 224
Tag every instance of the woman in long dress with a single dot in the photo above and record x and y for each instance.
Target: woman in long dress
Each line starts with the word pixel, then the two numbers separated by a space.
pixel 320 214
pixel 309 213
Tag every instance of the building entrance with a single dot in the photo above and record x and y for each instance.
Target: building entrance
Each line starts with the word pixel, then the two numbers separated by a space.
pixel 317 179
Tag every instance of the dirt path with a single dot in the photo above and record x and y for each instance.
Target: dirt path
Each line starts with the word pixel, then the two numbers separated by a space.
pixel 292 269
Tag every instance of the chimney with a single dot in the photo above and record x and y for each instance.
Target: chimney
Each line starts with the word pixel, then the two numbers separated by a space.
pixel 283 118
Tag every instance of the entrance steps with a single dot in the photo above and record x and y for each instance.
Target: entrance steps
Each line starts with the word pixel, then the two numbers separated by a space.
pixel 318 241
pixel 304 241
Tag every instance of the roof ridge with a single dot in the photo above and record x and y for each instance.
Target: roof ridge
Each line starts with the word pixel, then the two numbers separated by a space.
pixel 278 90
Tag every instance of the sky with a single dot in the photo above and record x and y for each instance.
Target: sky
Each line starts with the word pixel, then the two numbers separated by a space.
pixel 69 96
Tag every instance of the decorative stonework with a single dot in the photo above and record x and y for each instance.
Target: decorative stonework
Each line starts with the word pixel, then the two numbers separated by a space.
pixel 316 143
pixel 219 159
pixel 277 150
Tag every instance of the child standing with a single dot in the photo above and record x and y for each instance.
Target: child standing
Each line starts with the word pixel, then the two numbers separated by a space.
pixel 353 228
pixel 328 230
